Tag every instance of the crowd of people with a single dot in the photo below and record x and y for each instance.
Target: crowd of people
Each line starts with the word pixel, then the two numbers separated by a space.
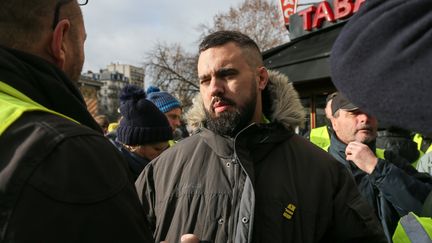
pixel 243 175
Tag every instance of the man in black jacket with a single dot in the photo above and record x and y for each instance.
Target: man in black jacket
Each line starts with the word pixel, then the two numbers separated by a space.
pixel 245 176
pixel 382 63
pixel 60 179
pixel 389 183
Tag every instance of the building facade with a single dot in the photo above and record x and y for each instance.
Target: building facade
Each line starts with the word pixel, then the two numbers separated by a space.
pixel 133 73
pixel 89 85
pixel 112 83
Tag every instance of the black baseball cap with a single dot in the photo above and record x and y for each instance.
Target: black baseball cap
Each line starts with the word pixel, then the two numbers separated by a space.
pixel 341 102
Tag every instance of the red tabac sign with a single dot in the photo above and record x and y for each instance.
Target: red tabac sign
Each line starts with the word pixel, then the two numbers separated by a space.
pixel 288 8
pixel 312 17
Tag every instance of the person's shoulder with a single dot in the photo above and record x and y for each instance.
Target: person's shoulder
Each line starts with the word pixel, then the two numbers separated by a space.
pixel 309 154
pixel 50 125
pixel 65 155
pixel 180 153
pixel 302 144
pixel 184 146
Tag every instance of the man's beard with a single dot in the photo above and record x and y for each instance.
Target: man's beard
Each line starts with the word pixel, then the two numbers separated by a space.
pixel 229 123
pixel 371 137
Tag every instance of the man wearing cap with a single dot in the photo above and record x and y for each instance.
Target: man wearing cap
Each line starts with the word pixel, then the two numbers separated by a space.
pixel 398 74
pixel 392 187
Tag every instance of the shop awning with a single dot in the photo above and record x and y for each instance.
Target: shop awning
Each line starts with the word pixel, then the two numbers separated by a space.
pixel 304 59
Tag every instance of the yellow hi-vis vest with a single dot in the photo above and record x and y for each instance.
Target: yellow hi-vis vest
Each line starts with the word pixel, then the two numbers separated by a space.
pixel 14 103
pixel 320 137
pixel 429 149
pixel 412 229
pixel 418 139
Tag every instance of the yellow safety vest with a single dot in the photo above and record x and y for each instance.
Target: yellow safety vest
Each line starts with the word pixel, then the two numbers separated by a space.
pixel 320 137
pixel 429 149
pixel 412 228
pixel 418 139
pixel 379 153
pixel 14 103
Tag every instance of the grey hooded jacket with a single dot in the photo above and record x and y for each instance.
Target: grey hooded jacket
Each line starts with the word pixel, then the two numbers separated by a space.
pixel 264 185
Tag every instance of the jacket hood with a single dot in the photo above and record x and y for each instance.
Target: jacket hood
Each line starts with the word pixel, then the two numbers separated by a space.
pixel 281 104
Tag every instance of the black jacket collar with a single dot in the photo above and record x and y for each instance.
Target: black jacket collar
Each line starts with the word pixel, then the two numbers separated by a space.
pixel 44 83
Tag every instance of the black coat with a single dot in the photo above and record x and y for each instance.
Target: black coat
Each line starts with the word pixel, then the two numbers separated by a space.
pixel 136 163
pixel 61 181
pixel 393 189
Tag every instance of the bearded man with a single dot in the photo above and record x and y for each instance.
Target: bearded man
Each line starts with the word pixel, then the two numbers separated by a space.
pixel 244 176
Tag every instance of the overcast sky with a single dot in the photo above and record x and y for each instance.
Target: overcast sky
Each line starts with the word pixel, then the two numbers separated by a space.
pixel 123 30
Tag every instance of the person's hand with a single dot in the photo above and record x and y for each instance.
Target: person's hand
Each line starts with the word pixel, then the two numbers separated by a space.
pixel 187 238
pixel 362 156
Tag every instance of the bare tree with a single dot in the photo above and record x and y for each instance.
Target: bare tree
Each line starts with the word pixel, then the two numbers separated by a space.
pixel 172 69
pixel 259 19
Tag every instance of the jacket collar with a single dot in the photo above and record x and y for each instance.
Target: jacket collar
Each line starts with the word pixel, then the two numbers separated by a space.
pixel 250 138
pixel 44 83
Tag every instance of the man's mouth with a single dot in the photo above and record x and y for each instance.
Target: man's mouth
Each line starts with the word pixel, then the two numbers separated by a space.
pixel 220 106
pixel 364 130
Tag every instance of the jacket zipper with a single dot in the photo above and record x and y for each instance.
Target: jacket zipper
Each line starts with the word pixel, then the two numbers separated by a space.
pixel 238 169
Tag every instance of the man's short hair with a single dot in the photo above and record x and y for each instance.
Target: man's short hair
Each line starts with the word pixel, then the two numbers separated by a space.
pixel 223 37
pixel 22 22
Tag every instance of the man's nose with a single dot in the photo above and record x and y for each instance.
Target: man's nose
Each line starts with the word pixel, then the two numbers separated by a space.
pixel 363 118
pixel 177 122
pixel 216 86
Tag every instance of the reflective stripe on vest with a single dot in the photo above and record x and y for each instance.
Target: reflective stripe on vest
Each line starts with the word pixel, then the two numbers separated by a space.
pixel 320 137
pixel 413 229
pixel 418 139
pixel 14 103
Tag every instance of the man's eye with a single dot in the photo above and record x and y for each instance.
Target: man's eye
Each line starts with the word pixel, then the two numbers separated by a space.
pixel 204 81
pixel 228 73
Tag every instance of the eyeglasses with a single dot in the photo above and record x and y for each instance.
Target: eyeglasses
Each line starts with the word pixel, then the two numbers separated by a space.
pixel 57 9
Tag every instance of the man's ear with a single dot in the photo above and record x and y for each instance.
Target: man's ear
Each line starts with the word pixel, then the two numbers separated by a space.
pixel 263 78
pixel 334 124
pixel 58 44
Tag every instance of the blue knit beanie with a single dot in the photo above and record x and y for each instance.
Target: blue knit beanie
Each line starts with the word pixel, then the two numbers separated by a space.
pixel 163 100
pixel 142 121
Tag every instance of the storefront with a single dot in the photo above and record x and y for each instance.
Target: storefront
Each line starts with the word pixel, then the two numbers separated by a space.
pixel 313 28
